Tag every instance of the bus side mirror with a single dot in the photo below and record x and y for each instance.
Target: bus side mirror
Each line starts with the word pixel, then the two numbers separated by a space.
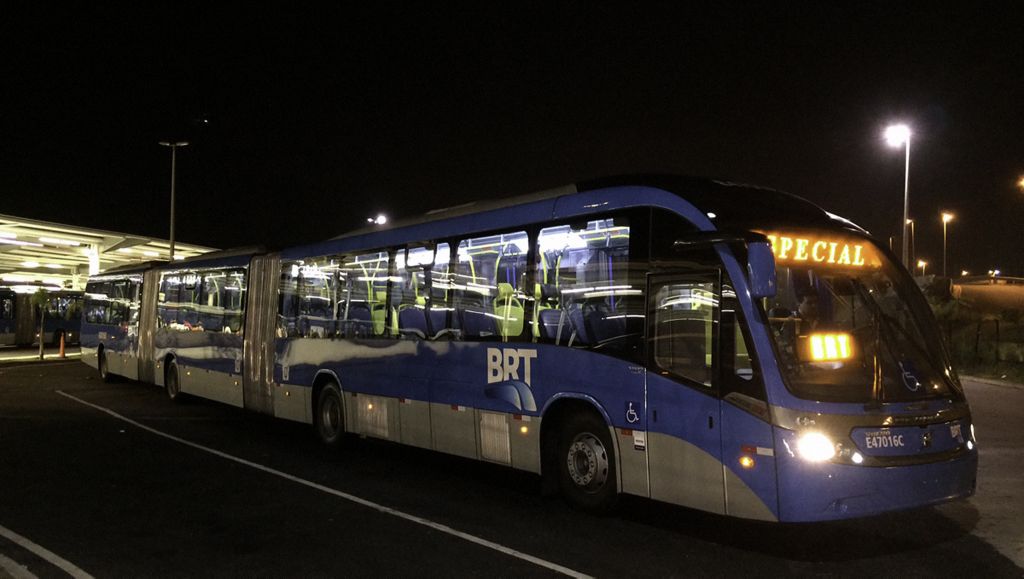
pixel 761 269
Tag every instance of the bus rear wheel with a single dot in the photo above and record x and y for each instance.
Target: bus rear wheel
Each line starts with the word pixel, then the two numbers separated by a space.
pixel 586 460
pixel 101 365
pixel 329 419
pixel 172 383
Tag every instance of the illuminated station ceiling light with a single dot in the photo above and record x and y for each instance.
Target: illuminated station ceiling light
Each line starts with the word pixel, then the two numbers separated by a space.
pixel 40 253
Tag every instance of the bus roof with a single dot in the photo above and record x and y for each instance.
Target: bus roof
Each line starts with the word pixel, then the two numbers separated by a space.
pixel 711 205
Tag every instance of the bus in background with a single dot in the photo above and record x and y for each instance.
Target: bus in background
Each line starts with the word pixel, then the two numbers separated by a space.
pixel 19 320
pixel 722 347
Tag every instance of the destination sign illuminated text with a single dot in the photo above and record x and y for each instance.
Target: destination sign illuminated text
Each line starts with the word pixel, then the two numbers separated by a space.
pixel 814 249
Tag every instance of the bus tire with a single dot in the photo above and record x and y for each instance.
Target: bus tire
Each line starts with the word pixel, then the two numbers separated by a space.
pixel 172 383
pixel 329 417
pixel 586 463
pixel 101 365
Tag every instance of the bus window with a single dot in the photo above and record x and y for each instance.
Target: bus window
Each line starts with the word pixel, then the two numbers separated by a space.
pixel 741 379
pixel 287 300
pixel 440 314
pixel 188 304
pixel 741 365
pixel 315 287
pixel 683 317
pixel 234 301
pixel 167 300
pixel 489 300
pixel 409 291
pixel 585 293
pixel 363 282
pixel 97 300
pixel 306 299
pixel 211 312
pixel 7 308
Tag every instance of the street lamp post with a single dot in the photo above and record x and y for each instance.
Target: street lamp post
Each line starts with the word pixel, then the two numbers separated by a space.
pixel 897 135
pixel 922 264
pixel 174 150
pixel 946 218
pixel 913 240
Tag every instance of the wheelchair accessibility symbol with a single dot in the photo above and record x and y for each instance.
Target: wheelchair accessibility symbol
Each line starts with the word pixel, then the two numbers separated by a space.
pixel 631 416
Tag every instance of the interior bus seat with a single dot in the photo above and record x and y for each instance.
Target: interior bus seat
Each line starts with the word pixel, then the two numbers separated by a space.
pixel 544 299
pixel 553 325
pixel 509 311
pixel 438 319
pixel 476 323
pixel 602 323
pixel 164 313
pixel 379 313
pixel 412 321
pixel 189 315
pixel 360 320
pixel 577 322
pixel 212 322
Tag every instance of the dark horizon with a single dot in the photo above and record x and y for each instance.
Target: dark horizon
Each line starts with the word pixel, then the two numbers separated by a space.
pixel 301 126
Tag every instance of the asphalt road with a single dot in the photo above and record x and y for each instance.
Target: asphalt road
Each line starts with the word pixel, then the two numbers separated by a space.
pixel 201 489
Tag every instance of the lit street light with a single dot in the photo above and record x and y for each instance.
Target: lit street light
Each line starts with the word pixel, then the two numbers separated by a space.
pixel 174 149
pixel 922 264
pixel 380 219
pixel 946 218
pixel 897 135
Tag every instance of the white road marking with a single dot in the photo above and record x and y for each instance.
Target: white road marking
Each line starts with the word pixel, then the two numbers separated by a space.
pixel 44 553
pixel 48 358
pixel 15 569
pixel 353 498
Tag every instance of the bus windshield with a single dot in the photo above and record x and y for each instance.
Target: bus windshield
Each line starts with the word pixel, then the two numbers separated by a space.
pixel 848 327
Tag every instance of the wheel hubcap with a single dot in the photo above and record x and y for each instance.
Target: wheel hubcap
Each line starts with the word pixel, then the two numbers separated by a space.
pixel 587 460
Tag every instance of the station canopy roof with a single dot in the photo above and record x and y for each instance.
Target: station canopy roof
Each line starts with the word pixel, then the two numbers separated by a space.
pixel 55 255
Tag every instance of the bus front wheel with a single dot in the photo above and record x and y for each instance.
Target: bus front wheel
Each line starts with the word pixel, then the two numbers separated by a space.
pixel 586 461
pixel 328 420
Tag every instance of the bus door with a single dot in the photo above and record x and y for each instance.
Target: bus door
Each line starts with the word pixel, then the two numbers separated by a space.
pixel 683 407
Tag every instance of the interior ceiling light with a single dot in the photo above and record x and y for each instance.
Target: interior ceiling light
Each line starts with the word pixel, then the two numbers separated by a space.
pixel 58 241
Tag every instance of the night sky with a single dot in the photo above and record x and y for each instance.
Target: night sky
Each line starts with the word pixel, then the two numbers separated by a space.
pixel 302 125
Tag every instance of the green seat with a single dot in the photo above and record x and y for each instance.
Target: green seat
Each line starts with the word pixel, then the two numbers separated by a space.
pixel 509 311
pixel 378 312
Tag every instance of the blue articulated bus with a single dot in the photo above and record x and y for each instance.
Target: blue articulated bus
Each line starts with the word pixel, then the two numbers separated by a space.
pixel 723 347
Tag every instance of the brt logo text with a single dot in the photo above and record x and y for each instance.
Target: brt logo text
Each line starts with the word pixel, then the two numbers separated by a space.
pixel 509 364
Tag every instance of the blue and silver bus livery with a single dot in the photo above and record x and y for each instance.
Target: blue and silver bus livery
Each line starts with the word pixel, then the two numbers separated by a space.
pixel 723 347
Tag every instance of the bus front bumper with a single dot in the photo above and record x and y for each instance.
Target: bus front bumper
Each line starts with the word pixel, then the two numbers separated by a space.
pixel 830 491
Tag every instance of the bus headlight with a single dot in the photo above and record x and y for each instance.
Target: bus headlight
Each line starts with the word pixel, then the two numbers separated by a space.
pixel 815 447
